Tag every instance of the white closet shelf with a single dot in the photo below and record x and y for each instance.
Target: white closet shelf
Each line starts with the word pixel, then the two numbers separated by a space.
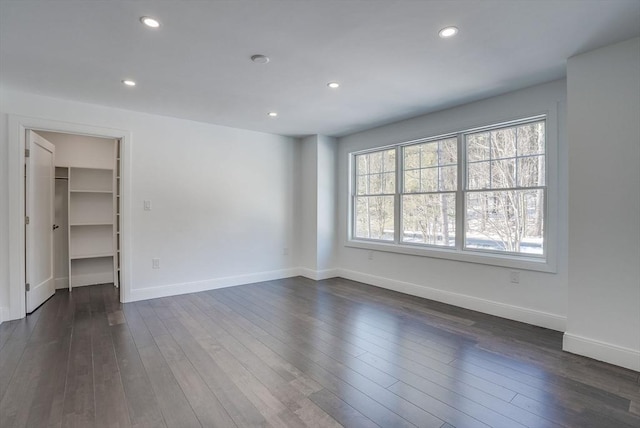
pixel 89 167
pixel 91 224
pixel 89 191
pixel 90 256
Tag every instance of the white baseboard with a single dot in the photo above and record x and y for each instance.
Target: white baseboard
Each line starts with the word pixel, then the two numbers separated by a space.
pixel 318 275
pixel 91 279
pixel 209 284
pixel 503 310
pixel 602 351
pixel 62 283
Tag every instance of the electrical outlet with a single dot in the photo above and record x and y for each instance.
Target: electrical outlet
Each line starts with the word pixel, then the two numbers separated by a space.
pixel 370 255
pixel 147 205
pixel 514 277
pixel 285 251
pixel 155 263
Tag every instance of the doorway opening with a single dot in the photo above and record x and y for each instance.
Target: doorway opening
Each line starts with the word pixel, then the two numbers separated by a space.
pixel 89 238
pixel 85 247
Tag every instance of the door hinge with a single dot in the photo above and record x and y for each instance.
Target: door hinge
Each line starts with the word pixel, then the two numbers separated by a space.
pixel 27 153
pixel 28 286
pixel 26 220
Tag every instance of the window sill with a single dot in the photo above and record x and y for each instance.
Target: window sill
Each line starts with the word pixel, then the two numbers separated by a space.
pixel 468 256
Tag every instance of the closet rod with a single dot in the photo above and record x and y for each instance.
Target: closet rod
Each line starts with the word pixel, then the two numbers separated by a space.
pixel 62 178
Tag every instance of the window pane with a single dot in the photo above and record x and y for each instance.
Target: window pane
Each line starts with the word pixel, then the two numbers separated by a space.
pixel 531 139
pixel 375 184
pixel 478 175
pixel 412 181
pixel 362 184
pixel 429 154
pixel 449 151
pixel 411 157
pixel 361 164
pixel 429 181
pixel 389 182
pixel 531 171
pixel 503 173
pixel 429 219
pixel 448 178
pixel 375 172
pixel 374 217
pixel 375 162
pixel 477 147
pixel 509 221
pixel 389 163
pixel 503 143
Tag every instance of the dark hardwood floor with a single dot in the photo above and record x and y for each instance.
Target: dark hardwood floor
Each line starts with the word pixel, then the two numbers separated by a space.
pixel 296 353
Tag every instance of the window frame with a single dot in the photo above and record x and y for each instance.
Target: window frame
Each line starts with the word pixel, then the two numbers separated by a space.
pixel 460 252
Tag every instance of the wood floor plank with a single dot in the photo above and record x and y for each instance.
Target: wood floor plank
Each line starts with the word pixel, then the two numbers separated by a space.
pixel 13 350
pixel 331 347
pixel 343 378
pixel 236 404
pixel 269 392
pixel 6 328
pixel 431 369
pixel 173 403
pixel 287 384
pixel 296 353
pixel 204 403
pixel 110 401
pixel 144 410
pixel 79 403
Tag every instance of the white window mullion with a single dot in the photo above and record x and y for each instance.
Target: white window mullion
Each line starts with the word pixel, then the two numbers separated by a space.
pixel 460 194
pixel 397 212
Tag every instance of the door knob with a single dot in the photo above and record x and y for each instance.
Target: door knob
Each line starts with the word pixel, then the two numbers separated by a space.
pixel 55 226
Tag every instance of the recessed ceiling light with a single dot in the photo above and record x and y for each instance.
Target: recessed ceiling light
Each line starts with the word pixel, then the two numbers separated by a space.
pixel 150 22
pixel 129 82
pixel 447 32
pixel 260 59
pixel 333 85
pixel 272 114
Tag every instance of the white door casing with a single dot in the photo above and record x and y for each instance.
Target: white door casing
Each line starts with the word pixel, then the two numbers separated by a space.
pixel 17 127
pixel 39 208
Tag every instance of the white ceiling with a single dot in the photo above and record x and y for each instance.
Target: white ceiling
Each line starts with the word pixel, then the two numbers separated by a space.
pixel 386 54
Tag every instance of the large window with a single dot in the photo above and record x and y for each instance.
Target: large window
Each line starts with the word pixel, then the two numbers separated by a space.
pixel 374 200
pixel 482 192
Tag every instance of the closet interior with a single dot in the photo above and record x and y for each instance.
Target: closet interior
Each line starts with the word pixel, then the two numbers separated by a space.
pixel 87 210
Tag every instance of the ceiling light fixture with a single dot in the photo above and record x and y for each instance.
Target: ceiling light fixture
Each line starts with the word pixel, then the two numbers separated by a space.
pixel 260 59
pixel 150 22
pixel 447 32
pixel 129 82
pixel 333 85
pixel 272 114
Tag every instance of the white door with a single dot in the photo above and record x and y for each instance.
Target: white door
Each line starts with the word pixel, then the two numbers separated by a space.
pixel 40 173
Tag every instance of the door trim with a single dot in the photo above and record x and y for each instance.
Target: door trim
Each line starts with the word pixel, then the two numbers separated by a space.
pixel 17 128
pixel 40 291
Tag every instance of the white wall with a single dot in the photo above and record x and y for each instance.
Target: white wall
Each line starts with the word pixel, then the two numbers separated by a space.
pixel 540 298
pixel 327 187
pixel 81 150
pixel 4 221
pixel 317 206
pixel 604 204
pixel 308 203
pixel 222 198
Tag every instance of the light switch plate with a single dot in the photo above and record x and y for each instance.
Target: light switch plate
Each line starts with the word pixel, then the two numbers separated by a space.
pixel 147 205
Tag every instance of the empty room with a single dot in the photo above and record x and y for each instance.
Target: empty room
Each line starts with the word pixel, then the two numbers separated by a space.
pixel 320 213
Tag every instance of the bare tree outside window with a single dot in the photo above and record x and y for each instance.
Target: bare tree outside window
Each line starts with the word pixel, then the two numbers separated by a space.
pixel 505 189
pixel 429 194
pixel 497 176
pixel 374 201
